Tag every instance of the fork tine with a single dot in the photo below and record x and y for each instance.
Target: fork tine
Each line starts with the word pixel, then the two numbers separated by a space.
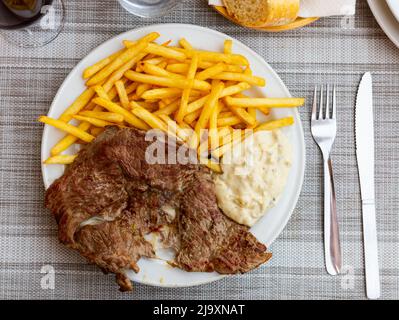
pixel 327 114
pixel 314 109
pixel 321 103
pixel 334 104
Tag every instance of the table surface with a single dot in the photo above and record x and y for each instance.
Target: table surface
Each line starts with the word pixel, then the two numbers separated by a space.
pixel 330 50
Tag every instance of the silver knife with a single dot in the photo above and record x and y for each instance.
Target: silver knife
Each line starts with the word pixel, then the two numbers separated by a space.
pixel 365 160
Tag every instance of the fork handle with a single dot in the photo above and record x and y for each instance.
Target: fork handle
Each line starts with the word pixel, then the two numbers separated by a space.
pixel 332 247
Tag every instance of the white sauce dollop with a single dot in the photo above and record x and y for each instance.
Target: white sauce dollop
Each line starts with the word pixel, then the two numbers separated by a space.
pixel 254 176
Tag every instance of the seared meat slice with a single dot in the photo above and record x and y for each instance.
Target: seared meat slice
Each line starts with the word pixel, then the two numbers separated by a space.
pixel 93 186
pixel 114 246
pixel 112 181
pixel 220 244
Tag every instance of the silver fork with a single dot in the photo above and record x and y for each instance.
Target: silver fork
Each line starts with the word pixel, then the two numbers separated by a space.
pixel 324 130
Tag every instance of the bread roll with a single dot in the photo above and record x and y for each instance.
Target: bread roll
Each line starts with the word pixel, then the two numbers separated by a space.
pixel 263 13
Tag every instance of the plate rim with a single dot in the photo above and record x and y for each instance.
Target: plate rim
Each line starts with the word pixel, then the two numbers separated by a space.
pixel 394 6
pixel 255 55
pixel 377 9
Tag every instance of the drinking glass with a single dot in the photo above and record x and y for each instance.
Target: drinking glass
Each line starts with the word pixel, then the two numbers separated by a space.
pixel 31 23
pixel 148 8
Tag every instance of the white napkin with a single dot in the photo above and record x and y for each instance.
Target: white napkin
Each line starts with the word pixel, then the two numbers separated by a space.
pixel 318 8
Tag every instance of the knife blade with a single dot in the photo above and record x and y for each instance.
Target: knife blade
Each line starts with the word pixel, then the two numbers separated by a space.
pixel 365 158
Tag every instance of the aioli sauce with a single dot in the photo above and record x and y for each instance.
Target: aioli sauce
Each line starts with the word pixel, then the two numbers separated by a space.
pixel 254 176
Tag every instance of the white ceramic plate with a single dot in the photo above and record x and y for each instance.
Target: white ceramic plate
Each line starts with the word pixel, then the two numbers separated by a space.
pixel 394 6
pixel 385 19
pixel 156 272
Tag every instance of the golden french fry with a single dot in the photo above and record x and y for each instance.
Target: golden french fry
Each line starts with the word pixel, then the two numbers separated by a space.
pixel 123 98
pixel 229 83
pixel 229 121
pixel 241 77
pixel 61 159
pixel 179 68
pixel 229 68
pixel 68 140
pixel 150 106
pixel 156 60
pixel 252 112
pixel 183 105
pixel 172 125
pixel 158 71
pixel 210 104
pixel 125 57
pixel 265 111
pixel 235 59
pixel 96 131
pixel 211 71
pixel 213 127
pixel 244 115
pixel 206 65
pixel 101 92
pixel 142 88
pixel 133 96
pixel 113 93
pixel 165 44
pixel 129 117
pixel 275 124
pixel 67 128
pixel 186 93
pixel 265 102
pixel 228 46
pixel 224 133
pixel 92 70
pixel 77 105
pixel 161 93
pixel 226 114
pixel 159 50
pixel 182 68
pixel 174 129
pixel 107 116
pixel 95 122
pixel 168 101
pixel 152 120
pixel 248 71
pixel 191 117
pixel 229 141
pixel 131 88
pixel 118 74
pixel 192 70
pixel 185 44
pixel 228 91
pixel 184 125
pixel 169 109
pixel 167 82
pixel 198 104
pixel 162 65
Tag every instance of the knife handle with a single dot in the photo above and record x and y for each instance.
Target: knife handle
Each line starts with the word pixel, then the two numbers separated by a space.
pixel 332 247
pixel 371 250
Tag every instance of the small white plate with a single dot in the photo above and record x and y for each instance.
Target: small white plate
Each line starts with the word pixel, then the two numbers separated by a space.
pixel 394 6
pixel 385 19
pixel 156 272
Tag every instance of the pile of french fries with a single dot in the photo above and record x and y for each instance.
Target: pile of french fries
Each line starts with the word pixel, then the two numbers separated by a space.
pixel 177 89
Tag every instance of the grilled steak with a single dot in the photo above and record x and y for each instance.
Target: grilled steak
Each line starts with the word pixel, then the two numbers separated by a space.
pixel 110 197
